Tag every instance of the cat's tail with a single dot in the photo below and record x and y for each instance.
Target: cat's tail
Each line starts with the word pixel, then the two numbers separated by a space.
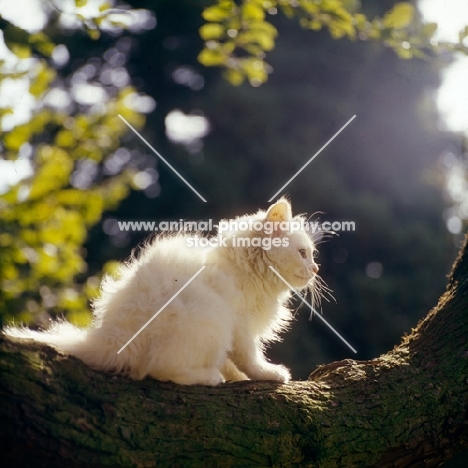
pixel 62 335
pixel 91 345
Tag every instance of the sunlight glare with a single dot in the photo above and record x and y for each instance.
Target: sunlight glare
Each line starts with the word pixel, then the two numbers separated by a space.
pixel 451 17
pixel 452 96
pixel 13 172
pixel 185 129
pixel 26 14
pixel 14 95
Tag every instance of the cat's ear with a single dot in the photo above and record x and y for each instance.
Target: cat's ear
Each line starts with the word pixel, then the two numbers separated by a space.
pixel 279 212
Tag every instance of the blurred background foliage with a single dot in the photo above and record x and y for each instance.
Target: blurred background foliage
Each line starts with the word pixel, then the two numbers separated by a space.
pixel 67 138
pixel 79 169
pixel 237 36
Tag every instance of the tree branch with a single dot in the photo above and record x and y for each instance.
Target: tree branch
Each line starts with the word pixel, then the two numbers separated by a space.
pixel 407 407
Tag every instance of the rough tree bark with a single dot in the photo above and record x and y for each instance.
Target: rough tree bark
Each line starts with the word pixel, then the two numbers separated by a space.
pixel 408 407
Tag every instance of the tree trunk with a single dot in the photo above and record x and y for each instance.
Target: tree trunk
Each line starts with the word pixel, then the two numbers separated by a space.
pixel 408 407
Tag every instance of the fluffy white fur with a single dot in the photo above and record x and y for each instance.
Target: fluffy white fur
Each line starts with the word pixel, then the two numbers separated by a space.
pixel 214 330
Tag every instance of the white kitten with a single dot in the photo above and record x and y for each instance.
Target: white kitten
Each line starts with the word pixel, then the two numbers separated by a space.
pixel 216 328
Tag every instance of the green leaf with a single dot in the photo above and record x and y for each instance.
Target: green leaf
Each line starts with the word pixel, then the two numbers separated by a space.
pixel 463 34
pixel 235 77
pixel 224 10
pixel 53 174
pixel 211 31
pixel 14 140
pixel 428 30
pixel 252 11
pixel 255 71
pixel 287 9
pixel 20 41
pixel 400 16
pixel 403 52
pixel 314 24
pixel 20 50
pixel 104 7
pixel 310 7
pixel 219 12
pixel 42 44
pixel 340 28
pixel 249 38
pixel 211 57
pixel 375 31
pixel 16 39
pixel 361 20
pixel 263 26
pixel 79 318
pixel 332 6
pixel 42 81
pixel 93 33
pixel 65 138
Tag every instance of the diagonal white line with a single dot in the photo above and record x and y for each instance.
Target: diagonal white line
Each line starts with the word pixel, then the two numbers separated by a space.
pixel 313 157
pixel 158 154
pixel 161 309
pixel 313 310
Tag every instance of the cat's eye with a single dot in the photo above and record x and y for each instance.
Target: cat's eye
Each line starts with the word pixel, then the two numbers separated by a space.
pixel 303 253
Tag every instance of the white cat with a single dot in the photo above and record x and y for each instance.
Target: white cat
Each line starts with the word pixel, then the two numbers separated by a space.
pixel 217 327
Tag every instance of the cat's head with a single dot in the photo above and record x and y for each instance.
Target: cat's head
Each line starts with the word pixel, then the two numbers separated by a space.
pixel 292 254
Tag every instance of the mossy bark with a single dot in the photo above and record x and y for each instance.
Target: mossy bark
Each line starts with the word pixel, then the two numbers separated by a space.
pixel 408 407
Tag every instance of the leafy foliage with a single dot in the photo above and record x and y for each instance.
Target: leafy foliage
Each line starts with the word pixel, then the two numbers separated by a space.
pixel 237 34
pixel 46 216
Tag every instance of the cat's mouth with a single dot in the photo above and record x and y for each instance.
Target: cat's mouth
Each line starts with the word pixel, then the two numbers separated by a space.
pixel 305 279
pixel 308 277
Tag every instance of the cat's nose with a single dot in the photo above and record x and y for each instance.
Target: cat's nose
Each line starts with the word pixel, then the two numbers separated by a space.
pixel 315 268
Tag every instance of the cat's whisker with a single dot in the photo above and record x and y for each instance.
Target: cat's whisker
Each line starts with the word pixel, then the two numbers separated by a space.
pixel 325 236
pixel 315 300
pixel 319 291
pixel 316 213
pixel 323 289
pixel 323 286
pixel 296 310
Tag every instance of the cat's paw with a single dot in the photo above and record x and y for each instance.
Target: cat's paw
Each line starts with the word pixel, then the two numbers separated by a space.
pixel 275 372
pixel 282 374
pixel 199 376
pixel 211 377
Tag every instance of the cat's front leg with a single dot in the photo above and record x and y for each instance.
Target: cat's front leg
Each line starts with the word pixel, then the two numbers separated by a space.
pixel 247 355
